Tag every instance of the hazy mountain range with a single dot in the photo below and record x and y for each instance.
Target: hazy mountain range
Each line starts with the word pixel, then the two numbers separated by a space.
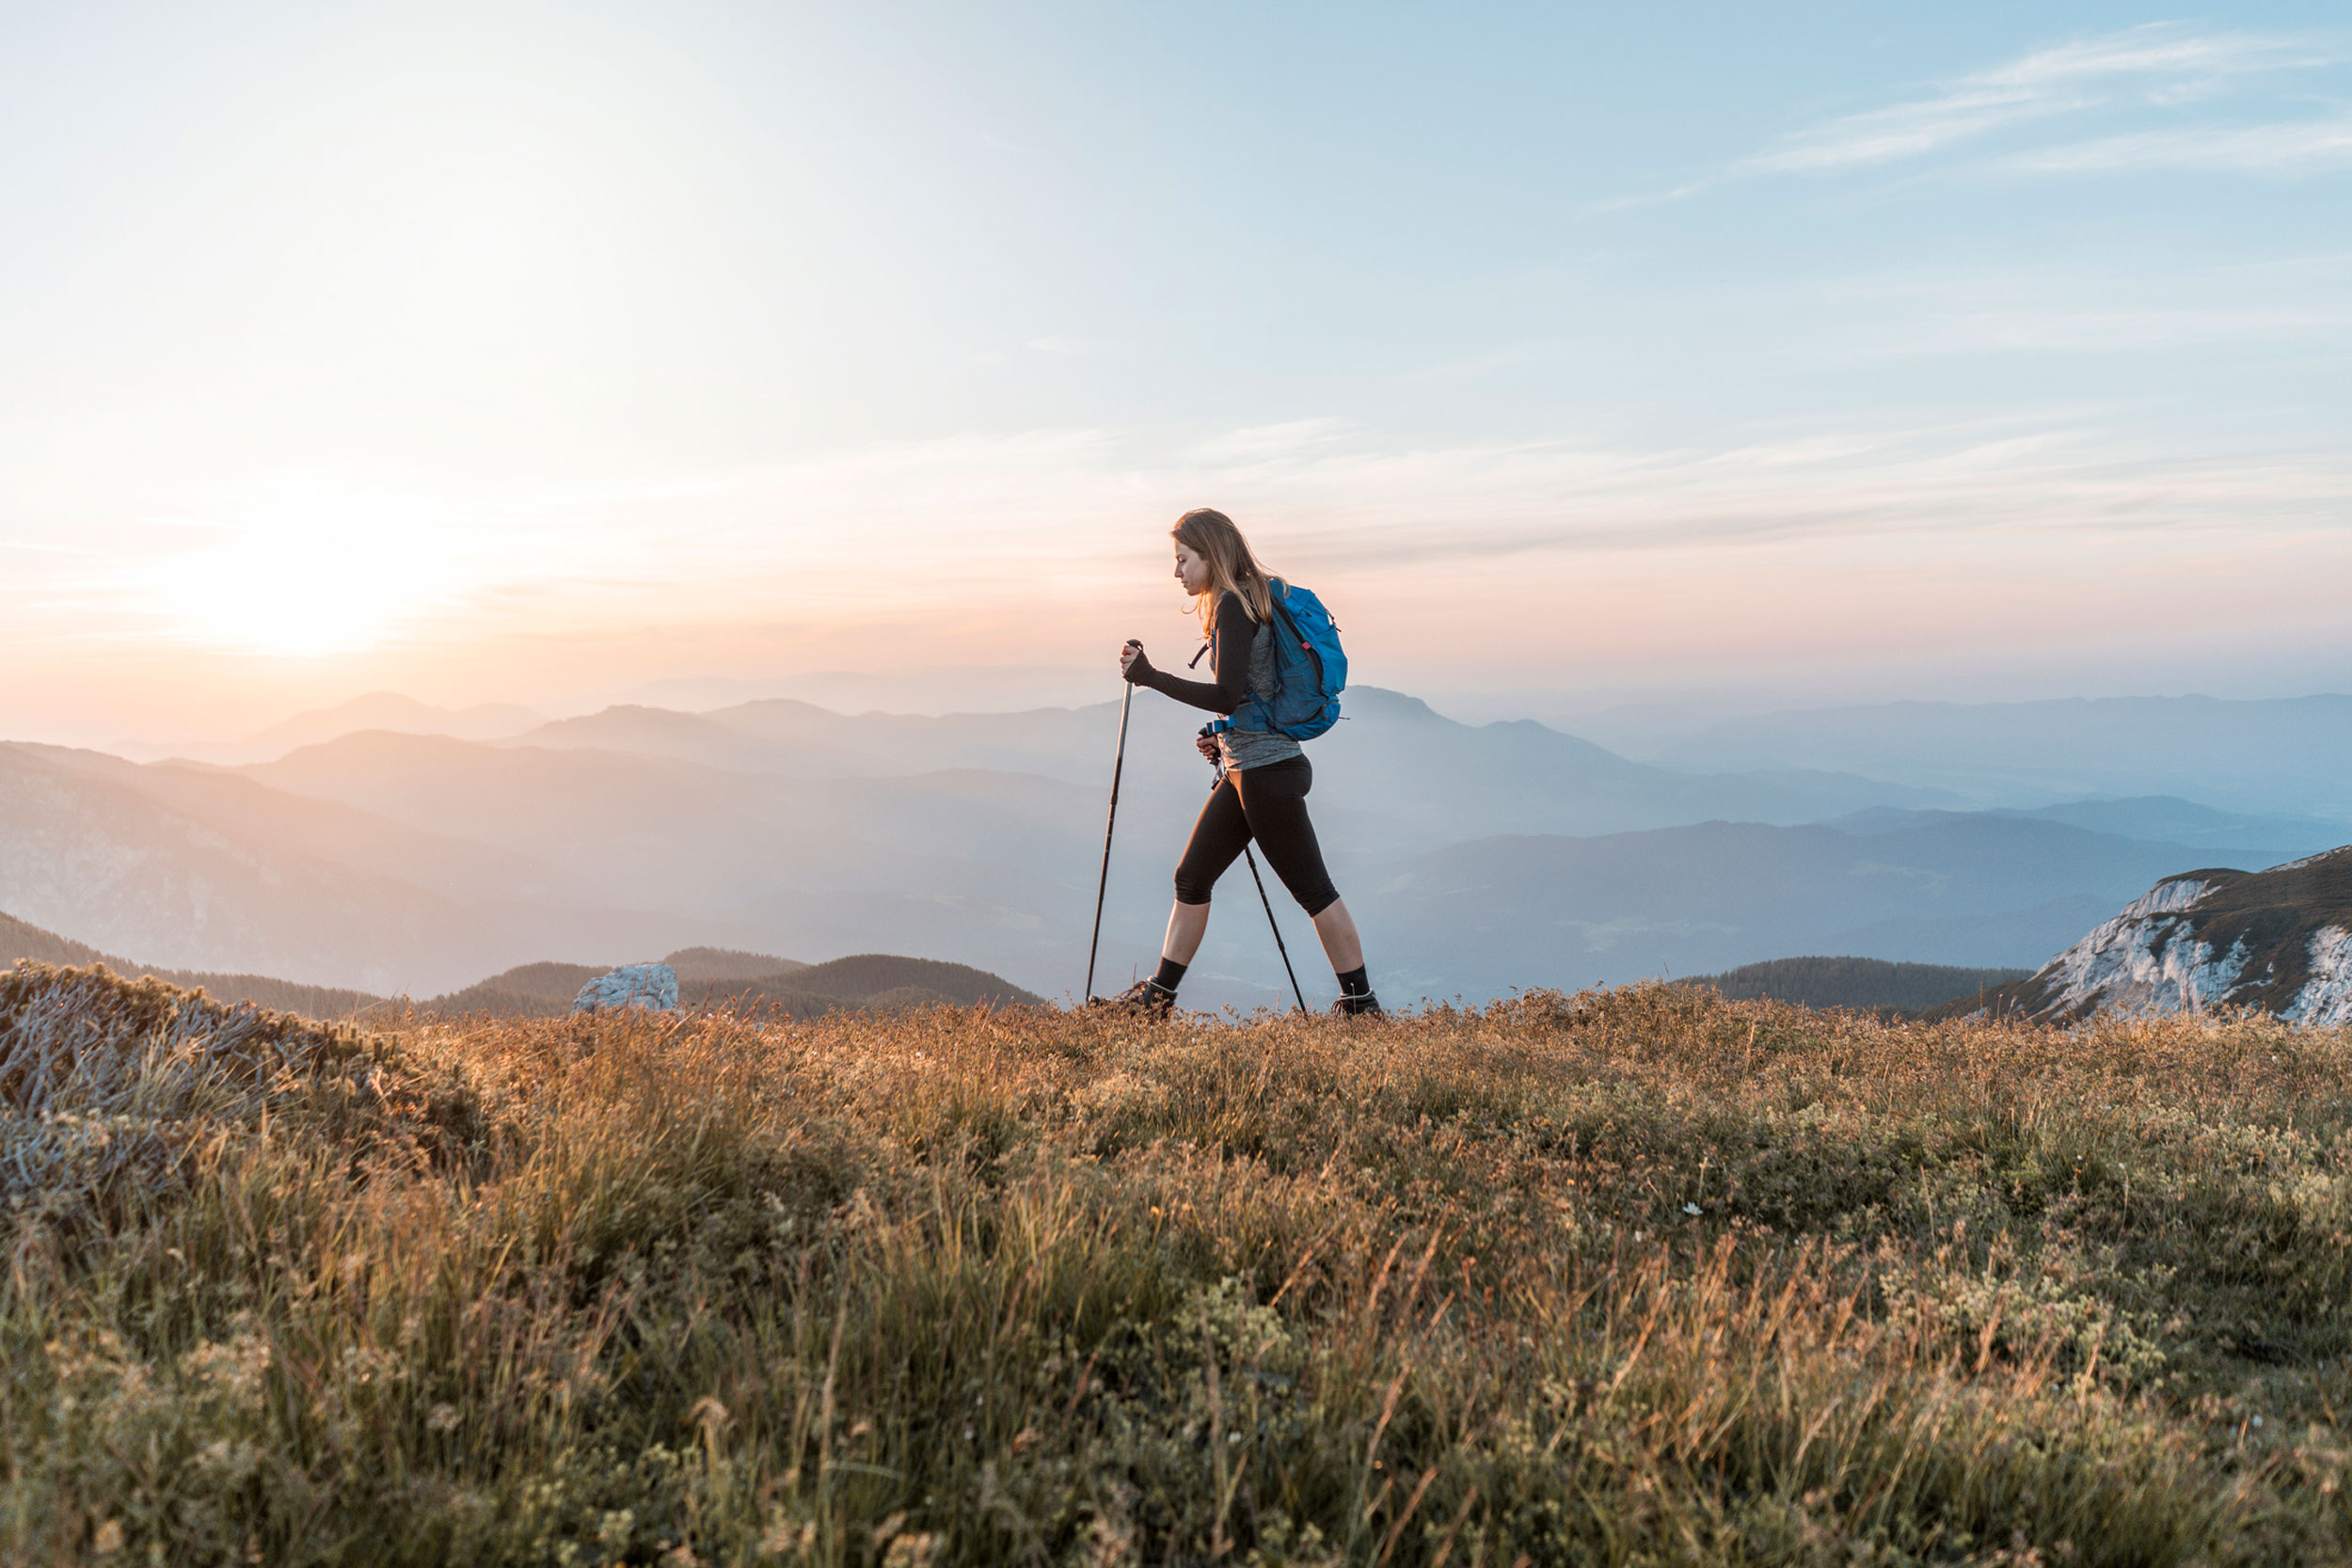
pixel 1477 857
pixel 1976 890
pixel 763 982
pixel 376 710
pixel 21 941
pixel 2285 755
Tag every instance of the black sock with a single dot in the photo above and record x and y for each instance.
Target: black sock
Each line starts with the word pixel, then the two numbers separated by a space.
pixel 1171 972
pixel 1353 983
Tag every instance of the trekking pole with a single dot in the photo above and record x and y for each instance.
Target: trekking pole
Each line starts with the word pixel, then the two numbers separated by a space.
pixel 1278 930
pixel 1279 947
pixel 1119 763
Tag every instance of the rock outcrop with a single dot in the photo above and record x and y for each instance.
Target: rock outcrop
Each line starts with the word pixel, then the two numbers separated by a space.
pixel 650 985
pixel 2278 939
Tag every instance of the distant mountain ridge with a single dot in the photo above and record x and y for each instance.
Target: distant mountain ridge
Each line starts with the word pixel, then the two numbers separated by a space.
pixel 198 869
pixel 707 976
pixel 1868 984
pixel 2280 755
pixel 19 940
pixel 374 710
pixel 2279 941
pixel 1477 857
pixel 2157 818
pixel 1974 890
pixel 706 965
pixel 1403 769
pixel 754 982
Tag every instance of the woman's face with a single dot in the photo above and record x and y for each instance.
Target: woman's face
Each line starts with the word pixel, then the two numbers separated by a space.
pixel 1192 570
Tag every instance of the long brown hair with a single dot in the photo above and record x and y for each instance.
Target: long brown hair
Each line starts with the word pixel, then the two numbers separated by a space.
pixel 1211 536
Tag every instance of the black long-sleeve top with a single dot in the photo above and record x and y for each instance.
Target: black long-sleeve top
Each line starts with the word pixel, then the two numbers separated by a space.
pixel 1229 657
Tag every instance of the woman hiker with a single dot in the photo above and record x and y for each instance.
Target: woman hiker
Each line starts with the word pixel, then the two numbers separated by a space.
pixel 1261 793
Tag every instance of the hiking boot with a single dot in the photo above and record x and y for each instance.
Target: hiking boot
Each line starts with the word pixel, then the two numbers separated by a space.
pixel 1366 1006
pixel 1147 997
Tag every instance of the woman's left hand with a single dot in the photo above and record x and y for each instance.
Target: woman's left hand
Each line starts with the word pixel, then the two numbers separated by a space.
pixel 1129 656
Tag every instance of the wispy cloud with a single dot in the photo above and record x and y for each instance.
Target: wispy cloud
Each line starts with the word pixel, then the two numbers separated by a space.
pixel 1834 543
pixel 2159 66
pixel 1064 509
pixel 1940 489
pixel 2158 70
pixel 1908 130
pixel 914 529
pixel 2279 149
pixel 1259 446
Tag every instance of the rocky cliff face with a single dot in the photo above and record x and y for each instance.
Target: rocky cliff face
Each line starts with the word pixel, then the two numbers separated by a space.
pixel 2278 940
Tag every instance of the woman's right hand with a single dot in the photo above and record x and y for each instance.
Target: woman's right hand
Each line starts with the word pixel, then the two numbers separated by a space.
pixel 1206 745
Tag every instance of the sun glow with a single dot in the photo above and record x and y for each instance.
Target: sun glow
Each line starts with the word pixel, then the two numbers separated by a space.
pixel 299 590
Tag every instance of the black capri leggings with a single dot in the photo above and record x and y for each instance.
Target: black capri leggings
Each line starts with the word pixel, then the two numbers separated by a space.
pixel 1269 805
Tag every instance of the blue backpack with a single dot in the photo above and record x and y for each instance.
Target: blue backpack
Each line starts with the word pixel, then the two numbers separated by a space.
pixel 1310 667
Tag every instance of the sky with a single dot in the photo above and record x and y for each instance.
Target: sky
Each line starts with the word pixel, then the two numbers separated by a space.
pixel 540 353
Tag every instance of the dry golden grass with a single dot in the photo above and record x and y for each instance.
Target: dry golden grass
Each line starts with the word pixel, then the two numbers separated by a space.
pixel 1642 1278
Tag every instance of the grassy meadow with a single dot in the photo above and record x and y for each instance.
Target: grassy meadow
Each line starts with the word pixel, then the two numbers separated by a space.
pixel 1644 1278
